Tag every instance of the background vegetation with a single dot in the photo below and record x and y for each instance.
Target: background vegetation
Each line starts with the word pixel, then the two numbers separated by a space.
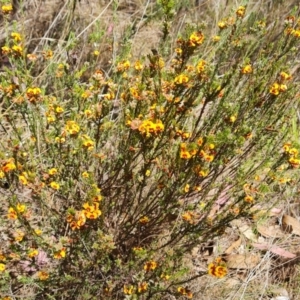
pixel 149 150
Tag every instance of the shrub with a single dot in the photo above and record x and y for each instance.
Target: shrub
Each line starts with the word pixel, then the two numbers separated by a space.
pixel 109 181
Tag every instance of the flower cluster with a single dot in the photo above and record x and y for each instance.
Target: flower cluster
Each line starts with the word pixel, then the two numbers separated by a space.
pixel 217 268
pixel 33 94
pixel 150 266
pixel 7 8
pixel 149 128
pixel 292 153
pixel 185 292
pixel 280 86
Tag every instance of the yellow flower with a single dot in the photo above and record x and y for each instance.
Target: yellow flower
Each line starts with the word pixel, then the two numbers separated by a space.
pixel 294 162
pixel 285 76
pixel 148 172
pixel 186 188
pixel 12 214
pixel 249 199
pixel 96 53
pixel 59 110
pixel 275 88
pixel 2 267
pixel 184 154
pixel 201 66
pixel 282 87
pixel 128 289
pixel 91 211
pixel 48 54
pixel 17 50
pixel 6 9
pixel 33 94
pixel 54 185
pixel 9 165
pixel 293 152
pixel 188 217
pixel 142 287
pixel 5 50
pixel 21 207
pixel 60 254
pixel 33 253
pixel 165 276
pixel 186 292
pixel 72 127
pixel 52 171
pixel 247 69
pixel 232 119
pixel 216 38
pixel 220 271
pixel 85 175
pixel 203 173
pixel 222 24
pixel 241 11
pixel 19 235
pixel 76 220
pixel 123 66
pixel 38 231
pixel 196 38
pixel 144 220
pixel 150 266
pixel 88 143
pixel 42 275
pixel 181 79
pixel 16 36
pixel 60 140
pixel 23 179
pixel 138 65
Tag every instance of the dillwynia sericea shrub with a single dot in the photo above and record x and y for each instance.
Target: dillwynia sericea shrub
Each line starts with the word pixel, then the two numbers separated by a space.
pixel 107 183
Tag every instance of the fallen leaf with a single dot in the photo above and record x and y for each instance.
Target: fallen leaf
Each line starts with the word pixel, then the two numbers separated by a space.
pixel 292 223
pixel 241 261
pixel 275 211
pixel 233 246
pixel 270 231
pixel 248 233
pixel 275 250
